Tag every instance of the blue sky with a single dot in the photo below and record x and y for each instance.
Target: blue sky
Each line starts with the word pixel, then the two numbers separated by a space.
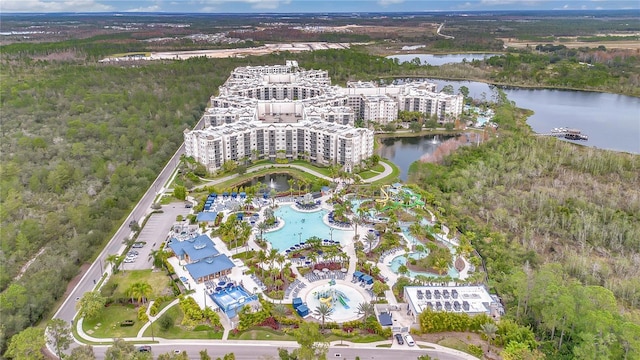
pixel 288 6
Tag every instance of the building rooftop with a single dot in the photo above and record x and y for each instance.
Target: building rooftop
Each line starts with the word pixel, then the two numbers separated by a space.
pixel 209 265
pixel 467 299
pixel 196 248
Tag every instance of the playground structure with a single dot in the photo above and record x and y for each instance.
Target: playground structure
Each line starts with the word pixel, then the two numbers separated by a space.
pixel 331 296
pixel 396 195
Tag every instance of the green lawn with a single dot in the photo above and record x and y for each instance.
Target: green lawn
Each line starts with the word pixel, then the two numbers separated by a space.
pixel 457 344
pixel 177 331
pixel 262 334
pixel 368 174
pixel 124 279
pixel 321 170
pixel 365 338
pixel 107 324
pixel 245 255
pixel 391 178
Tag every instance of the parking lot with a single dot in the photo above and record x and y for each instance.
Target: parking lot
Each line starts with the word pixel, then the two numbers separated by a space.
pixel 153 234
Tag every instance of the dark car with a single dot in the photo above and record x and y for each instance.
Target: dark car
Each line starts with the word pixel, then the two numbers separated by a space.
pixel 144 348
pixel 400 339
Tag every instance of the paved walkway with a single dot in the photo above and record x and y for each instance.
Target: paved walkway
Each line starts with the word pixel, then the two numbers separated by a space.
pixel 261 167
pixel 388 170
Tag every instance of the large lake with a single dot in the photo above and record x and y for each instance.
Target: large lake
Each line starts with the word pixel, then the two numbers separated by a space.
pixel 611 121
pixel 440 59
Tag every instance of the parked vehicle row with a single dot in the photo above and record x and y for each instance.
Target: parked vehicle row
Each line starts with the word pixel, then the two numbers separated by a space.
pixel 408 338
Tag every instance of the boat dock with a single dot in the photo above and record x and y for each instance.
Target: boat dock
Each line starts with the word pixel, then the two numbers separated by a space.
pixel 569 134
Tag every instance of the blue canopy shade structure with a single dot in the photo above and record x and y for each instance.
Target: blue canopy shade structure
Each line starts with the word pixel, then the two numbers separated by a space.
pixel 243 195
pixel 357 274
pixel 302 310
pixel 385 319
pixel 367 279
pixel 226 193
pixel 297 302
pixel 234 194
pixel 206 216
pixel 240 216
pixel 214 195
pixel 265 195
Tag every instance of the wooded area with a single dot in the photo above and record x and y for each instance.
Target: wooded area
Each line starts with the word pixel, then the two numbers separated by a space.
pixel 558 227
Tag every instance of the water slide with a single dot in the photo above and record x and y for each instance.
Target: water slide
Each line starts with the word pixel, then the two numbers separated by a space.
pixel 386 195
pixel 344 303
pixel 326 301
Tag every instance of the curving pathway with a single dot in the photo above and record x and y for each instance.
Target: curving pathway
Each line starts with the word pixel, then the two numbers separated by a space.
pixel 388 170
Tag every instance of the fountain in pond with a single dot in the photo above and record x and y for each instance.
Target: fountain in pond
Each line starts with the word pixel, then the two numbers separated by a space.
pixel 435 140
pixel 272 184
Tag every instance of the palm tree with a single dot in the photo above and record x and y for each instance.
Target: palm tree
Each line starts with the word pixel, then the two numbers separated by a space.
pixel 403 270
pixel 280 259
pixel 323 312
pixel 416 230
pixel 489 330
pixel 441 265
pixel 312 257
pixel 357 220
pixel 261 256
pixel 271 257
pixel 158 257
pixel 370 238
pixel 279 311
pixel 139 291
pixel 290 182
pixel 366 309
pixel 262 226
pixel 114 260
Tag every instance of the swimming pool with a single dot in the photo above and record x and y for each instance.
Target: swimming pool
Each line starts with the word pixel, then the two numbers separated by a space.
pixel 231 299
pixel 343 299
pixel 299 226
pixel 402 260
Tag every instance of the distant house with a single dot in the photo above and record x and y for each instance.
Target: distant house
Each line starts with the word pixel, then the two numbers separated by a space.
pixel 201 258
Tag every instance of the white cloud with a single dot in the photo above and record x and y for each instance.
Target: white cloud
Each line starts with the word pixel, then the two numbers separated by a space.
pixel 389 2
pixel 218 5
pixel 152 8
pixel 53 6
pixel 157 6
pixel 511 2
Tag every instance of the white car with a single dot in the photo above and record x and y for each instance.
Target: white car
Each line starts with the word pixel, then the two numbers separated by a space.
pixel 409 339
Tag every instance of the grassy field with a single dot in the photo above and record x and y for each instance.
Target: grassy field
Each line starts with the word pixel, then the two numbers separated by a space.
pixel 262 334
pixel 177 331
pixel 124 279
pixel 107 325
pixel 457 344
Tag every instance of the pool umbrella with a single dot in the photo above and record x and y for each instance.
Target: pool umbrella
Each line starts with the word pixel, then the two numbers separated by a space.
pixel 344 270
pixel 325 270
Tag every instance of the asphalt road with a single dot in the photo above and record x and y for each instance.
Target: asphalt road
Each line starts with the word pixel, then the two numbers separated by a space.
pixel 270 351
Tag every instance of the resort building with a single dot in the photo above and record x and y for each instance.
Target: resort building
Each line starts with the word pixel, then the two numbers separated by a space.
pixel 288 112
pixel 472 300
pixel 201 258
